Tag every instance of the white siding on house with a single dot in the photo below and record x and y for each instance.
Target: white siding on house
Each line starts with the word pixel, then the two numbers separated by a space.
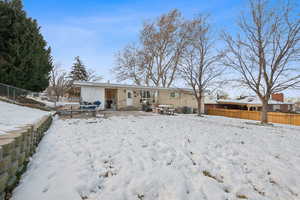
pixel 276 107
pixel 91 94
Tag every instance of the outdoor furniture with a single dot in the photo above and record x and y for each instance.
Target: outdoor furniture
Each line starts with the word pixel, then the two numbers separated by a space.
pixel 165 109
pixel 90 106
pixel 84 108
pixel 146 106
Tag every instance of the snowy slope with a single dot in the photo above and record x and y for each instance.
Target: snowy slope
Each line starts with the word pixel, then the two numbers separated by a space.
pixel 164 158
pixel 55 104
pixel 13 116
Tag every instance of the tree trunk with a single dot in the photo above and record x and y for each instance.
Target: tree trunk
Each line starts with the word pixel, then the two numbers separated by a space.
pixel 199 106
pixel 264 112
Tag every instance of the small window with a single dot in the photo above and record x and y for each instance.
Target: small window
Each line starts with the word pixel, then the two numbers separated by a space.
pixel 276 107
pixel 172 94
pixel 129 96
pixel 145 94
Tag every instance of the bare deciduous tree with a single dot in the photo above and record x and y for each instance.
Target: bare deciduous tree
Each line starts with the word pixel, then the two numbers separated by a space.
pixel 93 76
pixel 221 94
pixel 156 61
pixel 163 43
pixel 266 51
pixel 59 82
pixel 200 64
pixel 130 65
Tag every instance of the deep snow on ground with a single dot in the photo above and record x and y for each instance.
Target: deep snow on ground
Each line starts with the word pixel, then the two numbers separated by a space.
pixel 166 158
pixel 13 116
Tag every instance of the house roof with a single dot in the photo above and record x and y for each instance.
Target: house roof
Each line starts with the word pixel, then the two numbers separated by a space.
pixel 251 100
pixel 112 85
pixel 210 100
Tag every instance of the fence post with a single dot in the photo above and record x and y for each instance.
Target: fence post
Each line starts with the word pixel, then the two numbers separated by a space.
pixel 7 91
pixel 14 92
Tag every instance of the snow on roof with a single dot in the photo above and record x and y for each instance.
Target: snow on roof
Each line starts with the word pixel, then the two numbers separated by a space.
pixel 113 85
pixel 210 100
pixel 253 100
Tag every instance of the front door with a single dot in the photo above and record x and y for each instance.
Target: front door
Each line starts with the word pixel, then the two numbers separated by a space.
pixel 129 98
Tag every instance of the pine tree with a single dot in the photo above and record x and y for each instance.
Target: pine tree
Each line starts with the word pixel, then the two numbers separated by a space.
pixel 78 71
pixel 25 59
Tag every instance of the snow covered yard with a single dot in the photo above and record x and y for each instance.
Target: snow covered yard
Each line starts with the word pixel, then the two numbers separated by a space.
pixel 13 116
pixel 164 157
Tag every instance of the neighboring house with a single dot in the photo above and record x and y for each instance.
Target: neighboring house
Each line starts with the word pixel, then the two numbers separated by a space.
pixel 296 101
pixel 297 106
pixel 253 103
pixel 132 97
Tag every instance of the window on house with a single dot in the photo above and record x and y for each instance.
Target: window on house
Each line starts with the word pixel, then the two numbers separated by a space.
pixel 145 94
pixel 173 94
pixel 276 107
pixel 148 94
pixel 129 95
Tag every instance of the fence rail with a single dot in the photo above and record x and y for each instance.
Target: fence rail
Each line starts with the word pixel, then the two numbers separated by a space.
pixel 274 117
pixel 13 93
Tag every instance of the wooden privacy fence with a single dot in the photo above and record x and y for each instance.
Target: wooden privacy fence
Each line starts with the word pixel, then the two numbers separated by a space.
pixel 274 117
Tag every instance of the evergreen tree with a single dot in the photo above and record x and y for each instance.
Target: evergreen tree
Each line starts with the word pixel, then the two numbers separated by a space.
pixel 78 71
pixel 25 59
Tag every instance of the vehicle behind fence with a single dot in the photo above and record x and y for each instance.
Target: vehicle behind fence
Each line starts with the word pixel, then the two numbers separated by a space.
pixel 13 93
pixel 274 117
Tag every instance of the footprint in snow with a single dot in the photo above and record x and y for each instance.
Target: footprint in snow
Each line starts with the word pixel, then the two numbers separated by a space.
pixel 50 176
pixel 46 188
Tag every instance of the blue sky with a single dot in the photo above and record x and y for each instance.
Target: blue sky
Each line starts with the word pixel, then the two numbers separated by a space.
pixel 95 30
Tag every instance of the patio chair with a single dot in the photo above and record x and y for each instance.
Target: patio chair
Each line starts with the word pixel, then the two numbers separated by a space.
pixel 90 106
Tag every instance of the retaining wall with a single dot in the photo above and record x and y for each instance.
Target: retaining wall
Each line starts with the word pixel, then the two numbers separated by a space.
pixel 16 147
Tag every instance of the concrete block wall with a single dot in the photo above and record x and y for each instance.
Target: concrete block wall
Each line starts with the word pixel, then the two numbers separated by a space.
pixel 16 147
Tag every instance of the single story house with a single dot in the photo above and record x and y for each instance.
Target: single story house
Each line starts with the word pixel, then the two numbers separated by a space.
pixel 252 103
pixel 132 97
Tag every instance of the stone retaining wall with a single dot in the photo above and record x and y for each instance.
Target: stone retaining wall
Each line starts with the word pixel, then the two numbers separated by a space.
pixel 16 147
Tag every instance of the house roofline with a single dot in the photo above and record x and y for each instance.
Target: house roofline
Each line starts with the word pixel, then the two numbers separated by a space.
pixel 113 85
